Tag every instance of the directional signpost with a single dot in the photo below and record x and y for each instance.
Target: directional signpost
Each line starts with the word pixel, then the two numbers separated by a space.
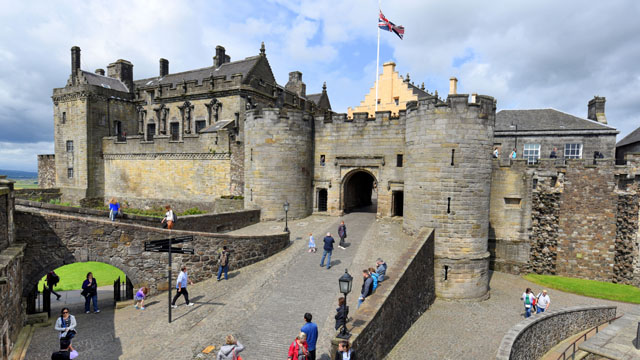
pixel 166 245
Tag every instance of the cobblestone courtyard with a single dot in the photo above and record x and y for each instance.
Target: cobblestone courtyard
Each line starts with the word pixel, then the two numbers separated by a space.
pixel 263 306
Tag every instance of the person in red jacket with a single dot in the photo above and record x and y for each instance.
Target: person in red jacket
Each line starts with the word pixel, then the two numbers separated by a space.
pixel 299 348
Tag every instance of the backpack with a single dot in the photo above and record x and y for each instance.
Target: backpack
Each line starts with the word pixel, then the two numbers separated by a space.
pixel 224 258
pixel 175 217
pixel 527 299
pixel 53 278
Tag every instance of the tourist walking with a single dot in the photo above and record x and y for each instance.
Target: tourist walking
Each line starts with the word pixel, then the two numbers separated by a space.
pixel 223 263
pixel 140 296
pixel 367 287
pixel 342 313
pixel 298 350
pixel 169 218
pixel 230 350
pixel 527 297
pixel 496 153
pixel 66 325
pixel 342 232
pixel 554 153
pixel 543 302
pixel 52 280
pixel 114 209
pixel 381 269
pixel 514 154
pixel 181 285
pixel 312 243
pixel 311 330
pixel 328 249
pixel 374 277
pixel 344 351
pixel 66 351
pixel 90 293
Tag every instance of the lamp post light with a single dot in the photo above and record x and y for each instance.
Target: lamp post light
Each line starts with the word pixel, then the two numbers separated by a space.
pixel 345 281
pixel 286 219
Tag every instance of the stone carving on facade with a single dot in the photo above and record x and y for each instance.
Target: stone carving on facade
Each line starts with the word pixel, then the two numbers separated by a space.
pixel 213 109
pixel 161 114
pixel 142 114
pixel 186 112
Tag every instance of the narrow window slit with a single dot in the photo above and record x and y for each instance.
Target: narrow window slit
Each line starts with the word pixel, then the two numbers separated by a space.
pixel 453 153
pixel 448 205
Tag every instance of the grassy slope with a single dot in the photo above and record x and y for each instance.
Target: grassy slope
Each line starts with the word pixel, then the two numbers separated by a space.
pixel 72 275
pixel 591 288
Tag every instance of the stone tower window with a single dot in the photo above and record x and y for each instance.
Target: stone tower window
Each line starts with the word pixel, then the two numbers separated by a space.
pixel 396 100
pixel 200 124
pixel 399 160
pixel 64 117
pixel 448 205
pixel 70 173
pixel 322 160
pixel 69 146
pixel 573 151
pixel 531 153
pixel 453 154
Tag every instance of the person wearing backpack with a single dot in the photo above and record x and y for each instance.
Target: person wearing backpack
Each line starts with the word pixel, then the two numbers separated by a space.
pixel 230 350
pixel 527 297
pixel 169 218
pixel 52 280
pixel 374 276
pixel 66 351
pixel 298 350
pixel 223 263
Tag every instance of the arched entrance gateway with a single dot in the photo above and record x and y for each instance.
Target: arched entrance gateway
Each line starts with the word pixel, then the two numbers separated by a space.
pixel 359 192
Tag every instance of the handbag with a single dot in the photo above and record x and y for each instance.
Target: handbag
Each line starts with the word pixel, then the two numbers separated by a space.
pixel 235 356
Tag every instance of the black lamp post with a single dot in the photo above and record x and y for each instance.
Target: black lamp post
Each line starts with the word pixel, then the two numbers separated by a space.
pixel 345 283
pixel 286 219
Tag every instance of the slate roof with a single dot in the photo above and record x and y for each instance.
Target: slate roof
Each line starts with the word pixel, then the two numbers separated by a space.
pixel 217 126
pixel 633 137
pixel 227 69
pixel 104 81
pixel 314 97
pixel 417 91
pixel 544 119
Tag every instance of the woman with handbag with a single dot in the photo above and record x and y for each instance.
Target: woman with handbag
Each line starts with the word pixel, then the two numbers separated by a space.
pixel 66 325
pixel 90 293
pixel 230 350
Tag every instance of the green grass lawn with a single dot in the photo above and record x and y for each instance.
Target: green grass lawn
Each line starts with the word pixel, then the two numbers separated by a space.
pixel 26 184
pixel 72 275
pixel 591 288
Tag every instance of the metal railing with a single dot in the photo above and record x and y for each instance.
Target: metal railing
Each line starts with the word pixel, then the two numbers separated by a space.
pixel 573 349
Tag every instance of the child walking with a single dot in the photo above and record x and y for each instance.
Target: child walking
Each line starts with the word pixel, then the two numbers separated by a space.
pixel 312 243
pixel 140 296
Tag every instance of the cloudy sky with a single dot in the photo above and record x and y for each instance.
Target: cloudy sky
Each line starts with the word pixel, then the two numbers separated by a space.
pixel 528 55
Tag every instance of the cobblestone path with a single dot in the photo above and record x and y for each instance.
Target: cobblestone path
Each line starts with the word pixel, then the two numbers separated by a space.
pixel 462 330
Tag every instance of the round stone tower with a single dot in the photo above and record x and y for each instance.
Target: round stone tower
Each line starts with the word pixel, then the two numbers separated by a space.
pixel 448 183
pixel 278 162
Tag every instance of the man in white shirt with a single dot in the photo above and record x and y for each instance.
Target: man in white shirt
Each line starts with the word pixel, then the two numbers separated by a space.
pixel 543 301
pixel 181 286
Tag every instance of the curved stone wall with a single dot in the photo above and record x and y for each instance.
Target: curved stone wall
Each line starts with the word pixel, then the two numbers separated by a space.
pixel 278 163
pixel 535 336
pixel 448 174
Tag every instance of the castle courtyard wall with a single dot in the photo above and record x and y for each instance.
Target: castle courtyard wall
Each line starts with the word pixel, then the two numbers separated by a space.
pixel 604 142
pixel 364 143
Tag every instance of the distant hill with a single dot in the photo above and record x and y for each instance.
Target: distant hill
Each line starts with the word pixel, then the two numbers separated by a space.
pixel 17 175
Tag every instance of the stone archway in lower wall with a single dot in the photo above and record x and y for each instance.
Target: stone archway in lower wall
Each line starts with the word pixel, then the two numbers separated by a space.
pixel 359 191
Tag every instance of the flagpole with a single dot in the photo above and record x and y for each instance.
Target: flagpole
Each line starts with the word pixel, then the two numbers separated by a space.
pixel 378 56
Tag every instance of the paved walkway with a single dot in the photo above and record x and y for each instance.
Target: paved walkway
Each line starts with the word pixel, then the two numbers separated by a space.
pixel 460 330
pixel 262 304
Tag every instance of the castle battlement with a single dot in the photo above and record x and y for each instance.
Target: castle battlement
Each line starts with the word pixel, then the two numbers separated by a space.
pixel 363 118
pixel 204 145
pixel 278 116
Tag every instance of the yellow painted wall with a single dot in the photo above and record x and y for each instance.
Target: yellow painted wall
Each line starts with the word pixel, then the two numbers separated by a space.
pixel 390 86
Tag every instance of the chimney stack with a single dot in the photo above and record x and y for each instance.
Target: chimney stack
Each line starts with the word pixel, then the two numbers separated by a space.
pixel 220 57
pixel 164 67
pixel 122 70
pixel 100 72
pixel 75 62
pixel 295 84
pixel 453 86
pixel 596 109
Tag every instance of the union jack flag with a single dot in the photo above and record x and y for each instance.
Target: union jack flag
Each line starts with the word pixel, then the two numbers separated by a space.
pixel 385 24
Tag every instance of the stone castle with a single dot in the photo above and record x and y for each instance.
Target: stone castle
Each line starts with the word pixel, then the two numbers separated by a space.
pixel 229 129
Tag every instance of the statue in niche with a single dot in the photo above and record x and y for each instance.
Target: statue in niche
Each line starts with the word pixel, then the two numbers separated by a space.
pixel 163 120
pixel 141 117
pixel 186 109
pixel 213 108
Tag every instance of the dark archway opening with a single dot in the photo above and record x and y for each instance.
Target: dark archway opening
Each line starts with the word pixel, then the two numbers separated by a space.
pixel 398 200
pixel 359 193
pixel 322 200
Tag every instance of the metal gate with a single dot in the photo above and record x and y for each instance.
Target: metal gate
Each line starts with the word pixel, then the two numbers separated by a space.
pixel 122 290
pixel 322 200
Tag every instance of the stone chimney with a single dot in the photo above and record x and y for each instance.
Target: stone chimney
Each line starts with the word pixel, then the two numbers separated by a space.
pixel 100 72
pixel 295 84
pixel 75 63
pixel 596 109
pixel 164 67
pixel 220 57
pixel 122 70
pixel 453 86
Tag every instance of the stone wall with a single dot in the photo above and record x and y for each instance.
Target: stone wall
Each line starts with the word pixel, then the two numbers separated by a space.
pixel 41 195
pixel 533 337
pixel 11 272
pixel 384 318
pixel 7 200
pixel 212 223
pixel 46 171
pixel 346 145
pixel 626 245
pixel 54 240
